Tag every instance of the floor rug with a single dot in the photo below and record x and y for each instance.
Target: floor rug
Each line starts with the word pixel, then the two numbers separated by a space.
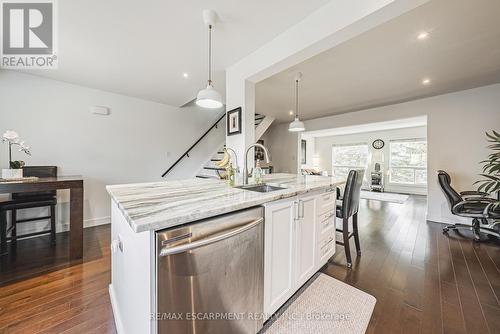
pixel 384 197
pixel 324 305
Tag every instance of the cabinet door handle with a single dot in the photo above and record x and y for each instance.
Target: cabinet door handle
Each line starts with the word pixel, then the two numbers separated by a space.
pixel 301 209
pixel 165 251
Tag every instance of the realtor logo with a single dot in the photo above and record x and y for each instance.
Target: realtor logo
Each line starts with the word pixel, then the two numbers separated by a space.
pixel 28 34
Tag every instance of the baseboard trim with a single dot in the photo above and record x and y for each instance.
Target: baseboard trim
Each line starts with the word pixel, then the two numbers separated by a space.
pixel 116 312
pixel 97 221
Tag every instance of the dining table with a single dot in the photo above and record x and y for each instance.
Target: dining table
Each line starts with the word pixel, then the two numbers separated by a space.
pixel 75 186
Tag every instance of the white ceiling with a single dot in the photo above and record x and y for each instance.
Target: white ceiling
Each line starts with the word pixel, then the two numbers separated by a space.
pixel 142 48
pixel 369 127
pixel 387 64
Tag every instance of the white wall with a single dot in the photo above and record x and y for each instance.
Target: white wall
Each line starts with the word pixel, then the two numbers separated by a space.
pixel 282 146
pixel 136 143
pixel 456 124
pixel 323 151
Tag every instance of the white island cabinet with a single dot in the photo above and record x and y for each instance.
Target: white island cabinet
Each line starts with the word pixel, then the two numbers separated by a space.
pixel 299 236
pixel 305 228
pixel 132 290
pixel 279 253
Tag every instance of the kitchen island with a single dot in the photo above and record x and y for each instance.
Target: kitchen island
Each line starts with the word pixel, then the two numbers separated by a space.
pixel 298 236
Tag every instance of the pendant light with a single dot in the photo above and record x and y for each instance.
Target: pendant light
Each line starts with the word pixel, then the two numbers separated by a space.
pixel 297 125
pixel 209 97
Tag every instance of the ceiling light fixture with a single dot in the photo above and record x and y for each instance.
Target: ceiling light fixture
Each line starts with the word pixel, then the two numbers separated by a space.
pixel 426 81
pixel 185 75
pixel 423 35
pixel 297 125
pixel 209 97
pixel 291 112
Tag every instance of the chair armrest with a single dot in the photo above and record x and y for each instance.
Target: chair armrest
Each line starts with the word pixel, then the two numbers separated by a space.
pixel 477 199
pixel 338 193
pixel 459 205
pixel 473 193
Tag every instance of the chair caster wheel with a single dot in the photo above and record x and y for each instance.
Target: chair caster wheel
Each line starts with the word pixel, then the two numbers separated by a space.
pixel 445 230
pixel 359 253
pixel 349 265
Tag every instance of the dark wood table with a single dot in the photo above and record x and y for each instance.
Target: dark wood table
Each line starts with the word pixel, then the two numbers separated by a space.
pixel 75 186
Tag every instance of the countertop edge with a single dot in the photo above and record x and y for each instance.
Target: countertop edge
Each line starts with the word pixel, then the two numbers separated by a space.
pixel 149 228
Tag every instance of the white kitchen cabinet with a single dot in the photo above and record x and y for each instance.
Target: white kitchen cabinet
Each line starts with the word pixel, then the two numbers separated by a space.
pixel 305 238
pixel 297 244
pixel 325 228
pixel 279 253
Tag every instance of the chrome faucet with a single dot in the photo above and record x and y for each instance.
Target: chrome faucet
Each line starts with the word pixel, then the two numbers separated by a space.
pixel 236 167
pixel 245 169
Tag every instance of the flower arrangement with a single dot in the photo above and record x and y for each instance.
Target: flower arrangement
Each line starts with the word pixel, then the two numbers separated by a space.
pixel 12 139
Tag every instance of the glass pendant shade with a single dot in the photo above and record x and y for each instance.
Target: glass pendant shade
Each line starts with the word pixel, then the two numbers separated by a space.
pixel 209 98
pixel 296 126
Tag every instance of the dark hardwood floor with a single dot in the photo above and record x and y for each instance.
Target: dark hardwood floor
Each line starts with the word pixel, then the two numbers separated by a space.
pixel 69 298
pixel 424 281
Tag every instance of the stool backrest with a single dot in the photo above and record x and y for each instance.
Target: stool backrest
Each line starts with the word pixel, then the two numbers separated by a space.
pixel 352 192
pixel 38 171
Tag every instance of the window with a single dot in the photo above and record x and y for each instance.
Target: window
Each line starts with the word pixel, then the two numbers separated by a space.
pixel 347 157
pixel 408 162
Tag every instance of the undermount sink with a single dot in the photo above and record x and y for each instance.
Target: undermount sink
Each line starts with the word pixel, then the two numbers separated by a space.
pixel 261 188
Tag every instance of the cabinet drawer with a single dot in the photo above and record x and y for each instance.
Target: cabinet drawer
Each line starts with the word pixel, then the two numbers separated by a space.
pixel 327 250
pixel 326 220
pixel 326 201
pixel 327 237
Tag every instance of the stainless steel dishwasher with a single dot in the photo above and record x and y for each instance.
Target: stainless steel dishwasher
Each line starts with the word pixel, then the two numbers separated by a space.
pixel 210 275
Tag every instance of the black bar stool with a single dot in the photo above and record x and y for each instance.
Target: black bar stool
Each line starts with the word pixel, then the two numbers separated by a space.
pixel 349 208
pixel 21 201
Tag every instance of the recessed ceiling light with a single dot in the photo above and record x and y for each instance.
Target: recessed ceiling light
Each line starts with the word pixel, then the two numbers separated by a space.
pixel 185 75
pixel 290 112
pixel 423 35
pixel 426 81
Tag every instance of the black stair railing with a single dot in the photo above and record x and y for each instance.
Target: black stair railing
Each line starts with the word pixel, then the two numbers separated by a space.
pixel 186 154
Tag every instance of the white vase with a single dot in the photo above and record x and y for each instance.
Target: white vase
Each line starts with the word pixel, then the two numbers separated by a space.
pixel 12 173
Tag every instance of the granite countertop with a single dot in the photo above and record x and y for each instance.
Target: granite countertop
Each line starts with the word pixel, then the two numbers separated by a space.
pixel 159 205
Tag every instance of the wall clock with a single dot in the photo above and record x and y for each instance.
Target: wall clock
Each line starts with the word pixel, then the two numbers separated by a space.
pixel 378 144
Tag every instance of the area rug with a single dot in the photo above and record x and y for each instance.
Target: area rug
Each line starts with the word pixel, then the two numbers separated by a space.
pixel 323 306
pixel 384 197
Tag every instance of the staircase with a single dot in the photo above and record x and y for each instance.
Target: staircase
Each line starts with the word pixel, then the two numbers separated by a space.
pixel 210 170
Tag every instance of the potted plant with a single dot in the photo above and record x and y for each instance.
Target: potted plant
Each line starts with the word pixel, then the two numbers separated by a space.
pixel 491 167
pixel 15 169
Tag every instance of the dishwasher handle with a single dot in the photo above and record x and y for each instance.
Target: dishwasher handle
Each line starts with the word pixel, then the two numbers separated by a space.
pixel 196 244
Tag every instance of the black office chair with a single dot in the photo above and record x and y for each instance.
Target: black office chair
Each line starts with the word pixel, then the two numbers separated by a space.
pixel 470 204
pixel 348 208
pixel 27 201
